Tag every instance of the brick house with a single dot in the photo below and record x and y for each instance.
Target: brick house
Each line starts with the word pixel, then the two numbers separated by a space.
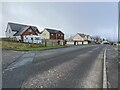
pixel 18 31
pixel 52 34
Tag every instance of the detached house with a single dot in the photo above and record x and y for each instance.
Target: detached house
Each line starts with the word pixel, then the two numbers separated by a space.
pixel 81 39
pixel 22 32
pixel 52 34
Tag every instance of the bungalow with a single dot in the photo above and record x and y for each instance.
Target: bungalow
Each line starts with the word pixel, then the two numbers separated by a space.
pixel 20 31
pixel 52 34
pixel 81 39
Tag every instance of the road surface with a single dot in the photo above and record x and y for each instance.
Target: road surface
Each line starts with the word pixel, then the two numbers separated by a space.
pixel 71 67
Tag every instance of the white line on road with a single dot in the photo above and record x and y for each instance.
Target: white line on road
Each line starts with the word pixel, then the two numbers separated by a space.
pixel 104 72
pixel 95 48
pixel 109 86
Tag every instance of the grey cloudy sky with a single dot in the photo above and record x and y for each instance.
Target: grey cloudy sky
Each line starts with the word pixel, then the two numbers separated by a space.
pixel 93 18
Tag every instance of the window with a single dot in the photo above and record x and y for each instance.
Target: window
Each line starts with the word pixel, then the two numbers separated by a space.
pixel 32 39
pixel 51 34
pixel 37 38
pixel 58 34
pixel 58 37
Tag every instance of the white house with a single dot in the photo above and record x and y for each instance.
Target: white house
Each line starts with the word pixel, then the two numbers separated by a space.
pixel 20 31
pixel 81 39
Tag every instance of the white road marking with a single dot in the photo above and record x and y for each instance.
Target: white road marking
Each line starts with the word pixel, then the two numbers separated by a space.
pixel 109 84
pixel 90 51
pixel 95 48
pixel 104 72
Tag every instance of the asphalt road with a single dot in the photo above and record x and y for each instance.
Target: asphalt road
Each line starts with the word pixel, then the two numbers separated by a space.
pixel 9 56
pixel 72 67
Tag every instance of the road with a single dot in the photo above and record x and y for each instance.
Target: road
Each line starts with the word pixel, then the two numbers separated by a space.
pixel 71 67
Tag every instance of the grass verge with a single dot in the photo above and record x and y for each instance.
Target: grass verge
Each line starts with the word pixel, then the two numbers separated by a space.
pixel 118 48
pixel 25 46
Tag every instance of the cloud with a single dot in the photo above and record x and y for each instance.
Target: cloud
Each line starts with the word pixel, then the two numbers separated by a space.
pixel 71 18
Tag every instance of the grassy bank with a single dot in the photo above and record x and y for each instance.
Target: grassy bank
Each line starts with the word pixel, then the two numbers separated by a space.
pixel 118 48
pixel 25 46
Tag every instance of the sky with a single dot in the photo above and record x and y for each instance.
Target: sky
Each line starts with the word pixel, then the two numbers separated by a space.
pixel 91 18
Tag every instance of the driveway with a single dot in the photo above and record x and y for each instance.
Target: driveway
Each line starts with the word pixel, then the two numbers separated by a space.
pixel 9 56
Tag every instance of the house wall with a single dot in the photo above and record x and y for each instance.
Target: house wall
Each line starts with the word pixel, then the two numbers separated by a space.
pixel 60 35
pixel 9 32
pixel 53 36
pixel 77 38
pixel 18 38
pixel 29 31
pixel 45 34
pixel 85 38
pixel 89 38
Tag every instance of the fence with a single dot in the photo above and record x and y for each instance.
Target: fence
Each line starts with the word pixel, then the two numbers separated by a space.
pixel 53 42
pixel 44 42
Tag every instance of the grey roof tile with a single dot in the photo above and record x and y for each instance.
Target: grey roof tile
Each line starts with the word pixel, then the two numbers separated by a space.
pixel 20 27
pixel 53 30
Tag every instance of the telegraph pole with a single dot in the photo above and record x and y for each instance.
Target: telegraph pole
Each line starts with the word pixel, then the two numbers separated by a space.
pixel 119 21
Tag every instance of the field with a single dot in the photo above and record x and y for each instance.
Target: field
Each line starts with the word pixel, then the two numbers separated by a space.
pixel 26 46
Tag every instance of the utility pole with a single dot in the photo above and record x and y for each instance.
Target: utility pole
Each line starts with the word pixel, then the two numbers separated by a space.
pixel 119 21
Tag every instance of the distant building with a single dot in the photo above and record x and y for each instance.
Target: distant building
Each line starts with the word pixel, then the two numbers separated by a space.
pixel 96 39
pixel 81 39
pixel 20 31
pixel 52 34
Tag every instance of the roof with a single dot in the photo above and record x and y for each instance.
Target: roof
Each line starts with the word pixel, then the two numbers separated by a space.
pixel 53 30
pixel 19 28
pixel 82 35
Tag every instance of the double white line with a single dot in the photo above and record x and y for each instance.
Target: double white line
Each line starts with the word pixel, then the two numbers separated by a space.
pixel 105 72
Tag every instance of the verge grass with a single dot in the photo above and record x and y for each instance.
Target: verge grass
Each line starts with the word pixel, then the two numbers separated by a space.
pixel 26 46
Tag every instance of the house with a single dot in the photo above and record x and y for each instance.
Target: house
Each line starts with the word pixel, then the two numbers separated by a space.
pixel 96 39
pixel 81 39
pixel 52 34
pixel 19 31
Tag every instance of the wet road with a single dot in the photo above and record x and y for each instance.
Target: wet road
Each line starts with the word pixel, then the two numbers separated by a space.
pixel 72 67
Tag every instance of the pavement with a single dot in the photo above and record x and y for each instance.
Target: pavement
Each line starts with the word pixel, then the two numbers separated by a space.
pixel 112 67
pixel 71 67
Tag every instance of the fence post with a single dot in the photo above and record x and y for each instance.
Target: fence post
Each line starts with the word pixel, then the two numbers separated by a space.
pixel 52 43
pixel 45 43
